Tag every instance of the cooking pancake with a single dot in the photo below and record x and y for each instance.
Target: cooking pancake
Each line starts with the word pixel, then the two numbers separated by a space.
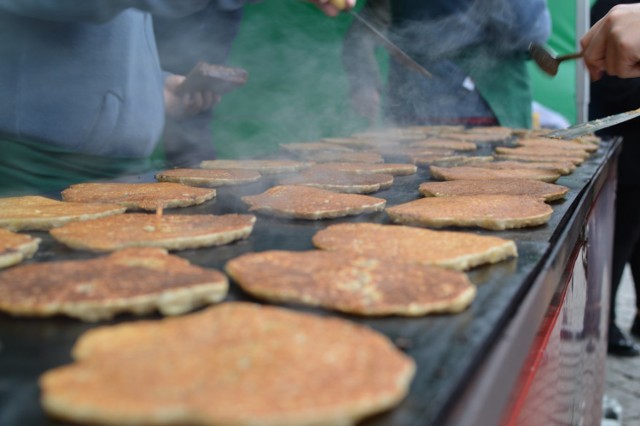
pixel 172 232
pixel 232 364
pixel 334 180
pixel 475 173
pixel 208 177
pixel 144 196
pixel 474 137
pixel 556 144
pixel 496 212
pixel 350 283
pixel 265 167
pixel 453 250
pixel 14 248
pixel 445 144
pixel 403 151
pixel 542 150
pixel 395 169
pixel 497 131
pixel 34 213
pixel 563 168
pixel 540 158
pixel 448 160
pixel 304 202
pixel 136 280
pixel 530 187
pixel 346 157
pixel 313 147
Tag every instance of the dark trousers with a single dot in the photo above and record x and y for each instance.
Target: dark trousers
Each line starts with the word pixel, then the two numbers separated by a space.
pixel 626 241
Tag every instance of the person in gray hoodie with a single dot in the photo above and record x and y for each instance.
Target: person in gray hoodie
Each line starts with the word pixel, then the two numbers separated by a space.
pixel 82 94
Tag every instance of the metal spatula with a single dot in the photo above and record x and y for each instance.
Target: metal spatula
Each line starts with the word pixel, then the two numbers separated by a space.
pixel 593 125
pixel 548 61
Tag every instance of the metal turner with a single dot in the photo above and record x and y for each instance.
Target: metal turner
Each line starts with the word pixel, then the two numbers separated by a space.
pixel 548 61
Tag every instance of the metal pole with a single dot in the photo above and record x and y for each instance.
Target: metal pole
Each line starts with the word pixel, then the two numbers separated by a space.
pixel 583 18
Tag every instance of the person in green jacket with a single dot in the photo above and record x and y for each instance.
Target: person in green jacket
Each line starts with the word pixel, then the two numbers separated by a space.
pixel 475 49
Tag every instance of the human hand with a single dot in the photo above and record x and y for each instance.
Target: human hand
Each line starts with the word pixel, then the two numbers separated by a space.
pixel 613 43
pixel 366 103
pixel 333 7
pixel 188 104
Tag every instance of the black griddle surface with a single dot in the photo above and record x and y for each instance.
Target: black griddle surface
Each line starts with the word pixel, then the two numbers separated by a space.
pixel 446 348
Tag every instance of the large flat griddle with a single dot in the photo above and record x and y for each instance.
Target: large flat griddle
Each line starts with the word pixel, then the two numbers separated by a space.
pixel 447 348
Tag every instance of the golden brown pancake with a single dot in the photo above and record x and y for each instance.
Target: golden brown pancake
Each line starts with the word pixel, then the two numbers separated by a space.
pixel 14 248
pixel 403 151
pixel 346 157
pixel 548 143
pixel 136 280
pixel 34 213
pixel 304 202
pixel 265 167
pixel 351 283
pixel 475 173
pixel 172 232
pixel 495 212
pixel 530 187
pixel 475 137
pixel 233 364
pixel 144 196
pixel 444 144
pixel 313 147
pixel 542 150
pixel 563 168
pixel 453 250
pixel 448 160
pixel 540 158
pixel 334 180
pixel 208 177
pixel 395 169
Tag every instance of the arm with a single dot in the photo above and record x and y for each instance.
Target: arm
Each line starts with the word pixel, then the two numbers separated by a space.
pixel 98 11
pixel 613 43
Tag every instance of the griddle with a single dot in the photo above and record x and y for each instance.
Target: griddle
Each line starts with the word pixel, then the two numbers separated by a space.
pixel 446 348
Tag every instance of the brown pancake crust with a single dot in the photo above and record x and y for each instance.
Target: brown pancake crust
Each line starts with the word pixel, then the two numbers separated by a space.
pixel 541 158
pixel 496 212
pixel 334 180
pixel 144 196
pixel 233 364
pixel 475 137
pixel 448 160
pixel 265 167
pixel 475 173
pixel 563 168
pixel 172 232
pixel 208 177
pixel 36 213
pixel 395 169
pixel 350 283
pixel 543 150
pixel 306 147
pixel 137 280
pixel 445 144
pixel 304 202
pixel 14 248
pixel 530 187
pixel 345 157
pixel 454 250
pixel 556 144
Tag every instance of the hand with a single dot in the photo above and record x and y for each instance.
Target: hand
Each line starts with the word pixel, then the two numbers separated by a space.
pixel 189 104
pixel 366 103
pixel 613 43
pixel 333 7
